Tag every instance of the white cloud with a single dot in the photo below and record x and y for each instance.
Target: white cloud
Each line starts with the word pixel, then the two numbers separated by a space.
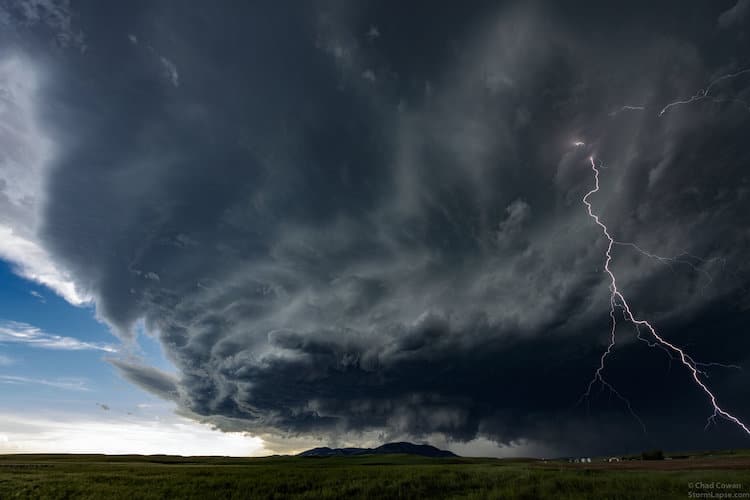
pixel 121 434
pixel 67 383
pixel 5 360
pixel 170 70
pixel 25 149
pixel 23 333
pixel 25 154
pixel 152 276
pixel 31 261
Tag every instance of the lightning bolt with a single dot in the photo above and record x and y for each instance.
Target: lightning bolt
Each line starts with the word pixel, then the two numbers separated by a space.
pixel 617 300
pixel 598 374
pixel 684 258
pixel 627 108
pixel 703 94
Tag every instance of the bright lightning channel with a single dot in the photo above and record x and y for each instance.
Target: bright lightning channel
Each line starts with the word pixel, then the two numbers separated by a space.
pixel 627 108
pixel 617 300
pixel 701 95
pixel 706 93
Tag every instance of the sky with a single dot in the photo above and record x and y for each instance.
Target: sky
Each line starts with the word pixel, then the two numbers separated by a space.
pixel 246 228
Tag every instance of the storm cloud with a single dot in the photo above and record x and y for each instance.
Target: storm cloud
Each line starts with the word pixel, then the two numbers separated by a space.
pixel 334 233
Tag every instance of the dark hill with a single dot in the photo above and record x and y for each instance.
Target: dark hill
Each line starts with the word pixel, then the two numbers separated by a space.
pixel 422 450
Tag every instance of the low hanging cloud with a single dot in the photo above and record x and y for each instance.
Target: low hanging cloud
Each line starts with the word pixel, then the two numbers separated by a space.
pixel 332 255
pixel 152 379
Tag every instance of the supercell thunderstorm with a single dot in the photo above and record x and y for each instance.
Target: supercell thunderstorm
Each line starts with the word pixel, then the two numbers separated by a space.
pixel 405 229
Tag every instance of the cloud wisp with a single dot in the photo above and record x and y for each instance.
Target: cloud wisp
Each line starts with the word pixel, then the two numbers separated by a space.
pixel 14 332
pixel 66 383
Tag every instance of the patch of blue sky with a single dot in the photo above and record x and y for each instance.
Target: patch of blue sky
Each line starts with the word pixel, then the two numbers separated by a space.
pixel 33 375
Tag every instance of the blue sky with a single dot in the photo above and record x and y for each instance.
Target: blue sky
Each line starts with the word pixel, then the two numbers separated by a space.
pixel 53 316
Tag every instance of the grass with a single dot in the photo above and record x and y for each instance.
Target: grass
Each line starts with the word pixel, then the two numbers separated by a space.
pixel 390 476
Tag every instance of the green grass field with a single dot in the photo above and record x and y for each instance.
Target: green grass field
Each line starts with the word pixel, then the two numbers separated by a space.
pixel 389 476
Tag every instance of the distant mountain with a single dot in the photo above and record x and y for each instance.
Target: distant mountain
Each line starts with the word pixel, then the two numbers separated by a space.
pixel 423 450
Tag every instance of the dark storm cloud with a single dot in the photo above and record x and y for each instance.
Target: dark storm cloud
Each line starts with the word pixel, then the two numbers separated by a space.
pixel 335 233
pixel 53 18
pixel 735 15
pixel 156 381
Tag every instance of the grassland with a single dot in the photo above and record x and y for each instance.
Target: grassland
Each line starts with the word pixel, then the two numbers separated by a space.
pixel 388 476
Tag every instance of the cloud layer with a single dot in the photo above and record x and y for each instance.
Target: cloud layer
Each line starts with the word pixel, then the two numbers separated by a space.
pixel 334 233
